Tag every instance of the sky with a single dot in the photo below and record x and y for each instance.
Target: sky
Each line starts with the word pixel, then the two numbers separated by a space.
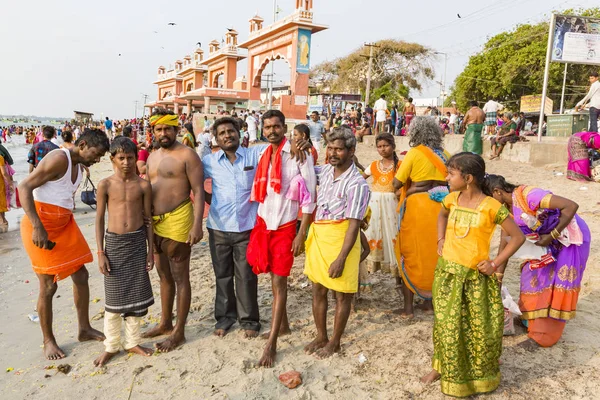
pixel 63 55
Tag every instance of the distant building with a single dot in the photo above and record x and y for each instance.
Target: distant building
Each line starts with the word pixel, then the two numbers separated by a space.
pixel 84 117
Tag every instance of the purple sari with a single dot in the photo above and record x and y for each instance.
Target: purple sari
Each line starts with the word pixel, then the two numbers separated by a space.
pixel 578 168
pixel 549 294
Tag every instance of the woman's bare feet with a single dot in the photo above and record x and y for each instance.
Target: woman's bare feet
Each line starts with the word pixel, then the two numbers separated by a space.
pixel 90 334
pixel 104 359
pixel 142 351
pixel 430 377
pixel 315 345
pixel 170 343
pixel 52 351
pixel 268 358
pixel 158 330
pixel 328 350
pixel 426 307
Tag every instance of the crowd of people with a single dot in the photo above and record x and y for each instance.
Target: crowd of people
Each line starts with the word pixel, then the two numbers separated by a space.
pixel 426 219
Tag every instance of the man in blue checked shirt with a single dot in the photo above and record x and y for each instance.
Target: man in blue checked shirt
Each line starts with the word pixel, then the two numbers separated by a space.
pixel 230 219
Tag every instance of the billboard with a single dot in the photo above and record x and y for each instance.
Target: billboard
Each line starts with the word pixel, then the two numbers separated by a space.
pixel 532 104
pixel 576 40
pixel 303 56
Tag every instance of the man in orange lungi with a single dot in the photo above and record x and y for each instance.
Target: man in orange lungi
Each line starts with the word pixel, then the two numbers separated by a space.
pixel 51 237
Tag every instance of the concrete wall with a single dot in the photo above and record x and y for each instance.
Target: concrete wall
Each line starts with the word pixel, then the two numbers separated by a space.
pixel 551 151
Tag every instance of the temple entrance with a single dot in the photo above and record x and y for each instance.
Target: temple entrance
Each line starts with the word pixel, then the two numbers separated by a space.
pixel 275 81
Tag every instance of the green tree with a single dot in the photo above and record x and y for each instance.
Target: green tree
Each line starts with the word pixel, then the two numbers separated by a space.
pixel 511 65
pixel 398 67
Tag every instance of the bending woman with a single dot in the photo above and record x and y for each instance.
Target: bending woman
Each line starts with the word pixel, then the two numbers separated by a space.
pixel 548 293
pixel 421 179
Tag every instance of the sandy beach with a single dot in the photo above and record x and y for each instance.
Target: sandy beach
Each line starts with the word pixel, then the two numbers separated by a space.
pixel 398 352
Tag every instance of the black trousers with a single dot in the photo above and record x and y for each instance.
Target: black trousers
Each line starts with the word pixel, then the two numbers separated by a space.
pixel 594 113
pixel 228 253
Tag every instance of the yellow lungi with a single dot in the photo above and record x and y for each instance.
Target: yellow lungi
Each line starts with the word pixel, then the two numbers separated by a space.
pixel 175 225
pixel 323 246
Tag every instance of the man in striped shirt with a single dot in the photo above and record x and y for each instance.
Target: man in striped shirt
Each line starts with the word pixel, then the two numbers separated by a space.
pixel 333 243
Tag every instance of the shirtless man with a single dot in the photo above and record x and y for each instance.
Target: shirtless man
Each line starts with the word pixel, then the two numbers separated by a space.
pixel 409 112
pixel 472 126
pixel 52 239
pixel 174 170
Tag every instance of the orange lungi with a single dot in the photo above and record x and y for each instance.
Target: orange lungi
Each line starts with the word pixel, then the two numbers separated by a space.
pixel 71 251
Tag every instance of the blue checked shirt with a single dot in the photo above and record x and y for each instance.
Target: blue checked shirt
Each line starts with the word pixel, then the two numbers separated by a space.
pixel 230 208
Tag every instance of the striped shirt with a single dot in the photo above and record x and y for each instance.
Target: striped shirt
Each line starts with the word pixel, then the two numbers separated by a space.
pixel 346 197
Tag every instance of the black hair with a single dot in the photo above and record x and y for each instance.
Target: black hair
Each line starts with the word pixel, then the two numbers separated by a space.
pixel 123 144
pixel 410 99
pixel 127 131
pixel 226 120
pixel 315 112
pixel 305 130
pixel 272 114
pixel 497 182
pixel 48 131
pixel 594 74
pixel 469 164
pixel 473 103
pixel 67 136
pixel 190 128
pixel 386 137
pixel 94 138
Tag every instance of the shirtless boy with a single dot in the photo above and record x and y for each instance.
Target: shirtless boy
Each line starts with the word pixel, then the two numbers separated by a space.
pixel 125 252
pixel 174 170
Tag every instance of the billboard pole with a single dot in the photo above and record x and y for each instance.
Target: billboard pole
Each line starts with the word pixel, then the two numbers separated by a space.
pixel 546 74
pixel 562 95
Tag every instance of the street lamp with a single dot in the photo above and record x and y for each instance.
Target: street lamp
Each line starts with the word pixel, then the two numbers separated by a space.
pixel 443 83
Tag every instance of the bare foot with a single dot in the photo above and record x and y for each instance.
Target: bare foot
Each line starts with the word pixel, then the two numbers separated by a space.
pixel 315 345
pixel 158 330
pixel 282 332
pixel 104 359
pixel 327 350
pixel 52 351
pixel 426 307
pixel 430 377
pixel 170 343
pixel 250 334
pixel 90 334
pixel 142 351
pixel 268 358
pixel 220 332
pixel 404 316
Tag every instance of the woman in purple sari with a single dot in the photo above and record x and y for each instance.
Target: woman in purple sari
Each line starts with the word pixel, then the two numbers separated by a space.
pixel 549 286
pixel 578 168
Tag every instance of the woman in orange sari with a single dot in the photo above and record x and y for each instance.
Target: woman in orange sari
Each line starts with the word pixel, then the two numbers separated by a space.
pixel 421 180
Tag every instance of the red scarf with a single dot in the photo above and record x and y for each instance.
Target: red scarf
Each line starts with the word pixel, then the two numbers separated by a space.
pixel 259 188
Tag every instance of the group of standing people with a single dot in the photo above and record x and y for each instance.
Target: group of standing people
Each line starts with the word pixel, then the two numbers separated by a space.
pixel 432 221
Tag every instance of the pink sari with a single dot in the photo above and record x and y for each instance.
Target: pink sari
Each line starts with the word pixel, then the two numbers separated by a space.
pixel 578 168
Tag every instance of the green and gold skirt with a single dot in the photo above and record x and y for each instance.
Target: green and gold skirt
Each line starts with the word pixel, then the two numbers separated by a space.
pixel 467 330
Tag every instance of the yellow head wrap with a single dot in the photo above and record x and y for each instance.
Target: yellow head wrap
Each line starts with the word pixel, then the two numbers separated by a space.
pixel 169 119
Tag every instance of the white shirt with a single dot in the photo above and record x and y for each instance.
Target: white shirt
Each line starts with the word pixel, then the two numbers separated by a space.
pixel 492 106
pixel 251 121
pixel 277 209
pixel 593 96
pixel 380 107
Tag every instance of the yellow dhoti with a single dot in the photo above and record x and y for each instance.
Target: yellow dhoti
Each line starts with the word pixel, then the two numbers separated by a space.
pixel 175 225
pixel 323 246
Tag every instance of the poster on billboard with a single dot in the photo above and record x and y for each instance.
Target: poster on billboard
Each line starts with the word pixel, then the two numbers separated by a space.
pixel 576 40
pixel 303 58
